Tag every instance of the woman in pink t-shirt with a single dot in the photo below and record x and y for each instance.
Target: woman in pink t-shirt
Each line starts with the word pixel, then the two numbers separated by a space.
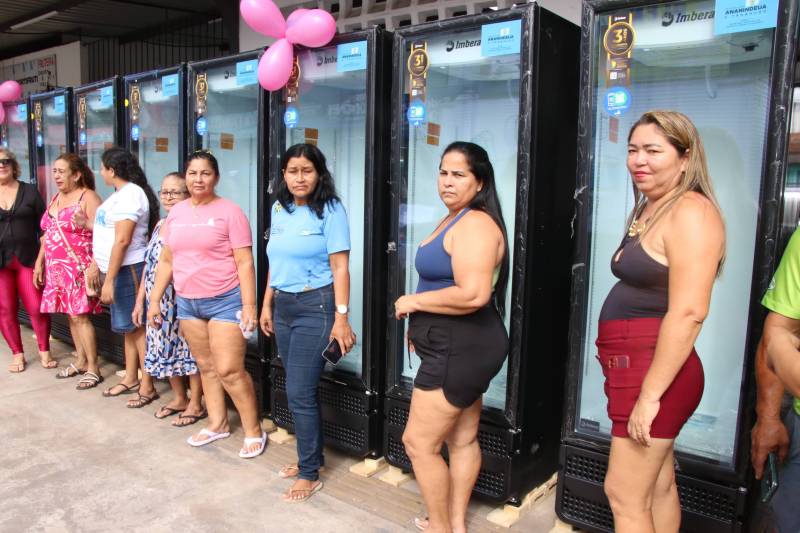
pixel 207 254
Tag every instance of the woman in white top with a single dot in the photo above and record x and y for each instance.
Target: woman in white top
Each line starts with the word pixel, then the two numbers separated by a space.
pixel 122 225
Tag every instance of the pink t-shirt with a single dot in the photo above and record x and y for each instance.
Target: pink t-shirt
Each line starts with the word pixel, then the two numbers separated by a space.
pixel 202 240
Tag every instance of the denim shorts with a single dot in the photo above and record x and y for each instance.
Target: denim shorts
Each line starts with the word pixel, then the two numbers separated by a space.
pixel 222 308
pixel 126 287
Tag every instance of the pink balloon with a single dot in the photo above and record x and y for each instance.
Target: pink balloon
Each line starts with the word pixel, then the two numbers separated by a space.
pixel 10 90
pixel 2 113
pixel 275 66
pixel 314 29
pixel 295 16
pixel 264 17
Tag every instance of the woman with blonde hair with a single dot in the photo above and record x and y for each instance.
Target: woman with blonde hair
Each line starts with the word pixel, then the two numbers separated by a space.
pixel 667 263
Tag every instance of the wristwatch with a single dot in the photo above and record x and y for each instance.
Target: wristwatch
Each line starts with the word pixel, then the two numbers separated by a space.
pixel 342 309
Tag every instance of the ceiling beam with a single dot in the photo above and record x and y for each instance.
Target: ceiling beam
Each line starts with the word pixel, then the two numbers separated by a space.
pixel 63 5
pixel 156 5
pixel 35 46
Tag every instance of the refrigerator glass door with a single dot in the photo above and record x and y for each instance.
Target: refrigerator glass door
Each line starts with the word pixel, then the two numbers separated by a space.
pixel 53 139
pixel 469 96
pixel 721 82
pixel 100 129
pixel 159 131
pixel 16 139
pixel 231 134
pixel 791 191
pixel 331 113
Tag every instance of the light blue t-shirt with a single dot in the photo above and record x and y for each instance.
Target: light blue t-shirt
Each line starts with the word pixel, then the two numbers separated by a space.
pixel 300 243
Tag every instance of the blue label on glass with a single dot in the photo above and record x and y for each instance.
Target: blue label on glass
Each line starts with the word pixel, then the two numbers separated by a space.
pixel 82 138
pixel 201 126
pixel 247 72
pixel 290 117
pixel 22 112
pixel 501 38
pixel 39 140
pixel 169 84
pixel 59 104
pixel 106 96
pixel 351 56
pixel 4 143
pixel 732 16
pixel 135 132
pixel 618 101
pixel 416 113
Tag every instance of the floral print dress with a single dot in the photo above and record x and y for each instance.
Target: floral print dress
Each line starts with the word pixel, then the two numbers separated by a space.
pixel 64 286
pixel 167 353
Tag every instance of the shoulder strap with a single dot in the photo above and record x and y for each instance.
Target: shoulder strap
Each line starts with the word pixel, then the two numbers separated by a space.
pixel 69 248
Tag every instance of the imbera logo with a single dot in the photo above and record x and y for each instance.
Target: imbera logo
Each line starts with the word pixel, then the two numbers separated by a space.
pixel 692 16
pixel 325 60
pixel 466 43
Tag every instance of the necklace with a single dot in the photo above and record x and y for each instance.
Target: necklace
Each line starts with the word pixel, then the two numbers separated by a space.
pixel 636 227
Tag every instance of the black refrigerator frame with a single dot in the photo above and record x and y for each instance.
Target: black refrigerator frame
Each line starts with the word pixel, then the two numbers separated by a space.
pixel 256 361
pixel 713 498
pixel 109 344
pixel 351 406
pixel 129 81
pixel 4 133
pixel 520 443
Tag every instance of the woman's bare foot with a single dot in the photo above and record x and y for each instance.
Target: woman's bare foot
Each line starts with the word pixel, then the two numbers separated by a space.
pixel 301 490
pixel 47 361
pixel 17 364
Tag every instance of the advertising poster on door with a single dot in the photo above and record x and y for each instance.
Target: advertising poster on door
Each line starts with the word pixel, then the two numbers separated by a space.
pixel 35 75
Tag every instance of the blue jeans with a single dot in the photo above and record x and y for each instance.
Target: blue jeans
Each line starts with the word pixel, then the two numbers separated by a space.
pixel 126 287
pixel 784 503
pixel 303 323
pixel 222 307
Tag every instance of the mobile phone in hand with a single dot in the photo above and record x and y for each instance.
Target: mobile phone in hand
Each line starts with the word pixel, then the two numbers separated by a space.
pixel 332 352
pixel 769 481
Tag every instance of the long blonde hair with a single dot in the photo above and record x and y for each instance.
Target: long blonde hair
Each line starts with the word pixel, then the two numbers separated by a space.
pixel 683 136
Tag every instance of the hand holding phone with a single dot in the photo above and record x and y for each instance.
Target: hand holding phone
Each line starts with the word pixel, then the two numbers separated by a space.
pixel 332 352
pixel 769 480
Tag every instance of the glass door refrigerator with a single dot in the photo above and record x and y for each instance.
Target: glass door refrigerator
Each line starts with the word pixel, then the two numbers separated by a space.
pixel 227 114
pixel 97 127
pixel 155 121
pixel 52 135
pixel 15 135
pixel 729 69
pixel 335 100
pixel 508 81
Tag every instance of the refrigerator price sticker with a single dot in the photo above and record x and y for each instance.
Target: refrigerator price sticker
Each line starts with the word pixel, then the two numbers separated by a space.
pixel 106 96
pixel 617 101
pixel 135 132
pixel 247 72
pixel 501 38
pixel 733 16
pixel 351 56
pixel 416 113
pixel 201 126
pixel 169 85
pixel 22 112
pixel 59 104
pixel 290 117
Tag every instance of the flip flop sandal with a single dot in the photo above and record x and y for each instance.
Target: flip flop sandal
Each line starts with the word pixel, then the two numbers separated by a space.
pixel 192 419
pixel 89 380
pixel 249 441
pixel 17 367
pixel 70 371
pixel 125 390
pixel 49 365
pixel 212 436
pixel 421 523
pixel 141 401
pixel 168 410
pixel 307 493
pixel 291 470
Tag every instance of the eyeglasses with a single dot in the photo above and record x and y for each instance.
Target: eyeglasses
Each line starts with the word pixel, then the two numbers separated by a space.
pixel 172 194
pixel 5 162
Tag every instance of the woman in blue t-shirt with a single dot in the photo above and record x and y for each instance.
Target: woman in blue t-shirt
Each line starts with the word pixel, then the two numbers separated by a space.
pixel 307 297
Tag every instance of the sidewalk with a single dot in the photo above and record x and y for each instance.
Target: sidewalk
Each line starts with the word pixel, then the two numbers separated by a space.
pixel 75 461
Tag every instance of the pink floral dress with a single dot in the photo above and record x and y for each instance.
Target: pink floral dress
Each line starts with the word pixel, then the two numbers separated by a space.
pixel 64 290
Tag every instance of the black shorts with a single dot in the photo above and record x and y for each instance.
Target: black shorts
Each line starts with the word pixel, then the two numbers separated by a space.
pixel 460 353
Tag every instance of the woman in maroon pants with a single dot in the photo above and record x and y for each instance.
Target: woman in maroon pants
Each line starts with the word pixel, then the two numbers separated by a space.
pixel 666 265
pixel 21 207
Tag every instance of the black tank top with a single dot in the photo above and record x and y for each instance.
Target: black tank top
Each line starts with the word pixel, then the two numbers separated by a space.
pixel 641 291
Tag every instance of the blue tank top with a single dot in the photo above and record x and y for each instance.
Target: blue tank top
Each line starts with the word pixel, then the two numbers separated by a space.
pixel 433 262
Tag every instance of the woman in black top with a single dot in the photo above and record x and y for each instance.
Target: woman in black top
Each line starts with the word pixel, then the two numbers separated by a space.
pixel 21 208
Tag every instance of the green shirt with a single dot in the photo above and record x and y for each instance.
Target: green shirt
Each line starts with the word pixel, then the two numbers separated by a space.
pixel 783 293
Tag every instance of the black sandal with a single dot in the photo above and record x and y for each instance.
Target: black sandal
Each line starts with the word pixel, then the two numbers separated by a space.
pixel 125 390
pixel 141 400
pixel 89 380
pixel 69 372
pixel 192 419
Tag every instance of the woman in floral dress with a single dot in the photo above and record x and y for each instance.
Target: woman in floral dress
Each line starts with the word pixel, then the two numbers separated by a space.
pixel 167 355
pixel 66 252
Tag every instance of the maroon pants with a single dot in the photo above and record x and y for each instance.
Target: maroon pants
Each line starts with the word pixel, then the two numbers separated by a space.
pixel 626 349
pixel 16 281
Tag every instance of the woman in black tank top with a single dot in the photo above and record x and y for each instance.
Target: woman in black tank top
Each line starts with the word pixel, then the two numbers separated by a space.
pixel 666 265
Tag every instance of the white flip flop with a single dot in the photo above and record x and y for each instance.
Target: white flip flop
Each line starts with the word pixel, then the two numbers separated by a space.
pixel 262 441
pixel 211 437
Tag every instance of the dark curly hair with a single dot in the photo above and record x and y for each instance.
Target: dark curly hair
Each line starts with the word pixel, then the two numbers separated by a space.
pixel 325 191
pixel 77 165
pixel 126 166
